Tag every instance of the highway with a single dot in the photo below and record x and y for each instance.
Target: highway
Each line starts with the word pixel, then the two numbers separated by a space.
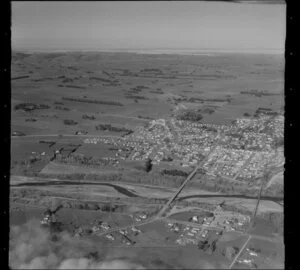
pixel 191 175
pixel 274 178
pixel 167 205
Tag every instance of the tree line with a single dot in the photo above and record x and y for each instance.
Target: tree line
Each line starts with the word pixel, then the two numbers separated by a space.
pixel 95 101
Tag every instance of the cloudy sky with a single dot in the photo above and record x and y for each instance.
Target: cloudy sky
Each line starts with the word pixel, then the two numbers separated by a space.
pixel 148 25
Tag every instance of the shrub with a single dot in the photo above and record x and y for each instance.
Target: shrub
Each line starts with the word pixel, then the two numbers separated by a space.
pixel 31 106
pixel 70 122
pixel 74 86
pixel 174 173
pixel 109 127
pixel 30 120
pixel 190 115
pixel 148 165
pixel 135 97
pixel 62 108
pixel 95 101
pixel 85 116
pixel 20 77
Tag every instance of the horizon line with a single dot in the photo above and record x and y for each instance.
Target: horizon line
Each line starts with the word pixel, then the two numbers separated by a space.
pixel 153 50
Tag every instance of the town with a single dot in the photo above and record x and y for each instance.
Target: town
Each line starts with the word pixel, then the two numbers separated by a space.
pixel 244 149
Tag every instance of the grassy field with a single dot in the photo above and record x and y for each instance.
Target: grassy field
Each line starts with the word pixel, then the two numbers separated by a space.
pixel 98 150
pixel 186 216
pixel 58 168
pixel 271 255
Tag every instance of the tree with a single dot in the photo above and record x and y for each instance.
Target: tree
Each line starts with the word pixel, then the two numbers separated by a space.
pixel 70 122
pixel 148 165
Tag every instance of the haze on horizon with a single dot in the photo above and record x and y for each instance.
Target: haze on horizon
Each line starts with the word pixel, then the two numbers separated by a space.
pixel 148 26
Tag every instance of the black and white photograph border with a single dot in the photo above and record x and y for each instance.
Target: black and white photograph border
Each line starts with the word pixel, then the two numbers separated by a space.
pixel 149 135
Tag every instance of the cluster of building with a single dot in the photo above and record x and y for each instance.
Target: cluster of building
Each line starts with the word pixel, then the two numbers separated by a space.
pixel 230 221
pixel 139 217
pixel 91 140
pixel 191 235
pixel 48 219
pixel 123 234
pixel 258 164
pixel 248 258
pixel 244 148
pixel 125 239
pixel 247 141
pixel 205 220
pixel 225 162
pixel 101 228
pixel 242 164
pixel 277 126
pixel 223 220
pixel 207 226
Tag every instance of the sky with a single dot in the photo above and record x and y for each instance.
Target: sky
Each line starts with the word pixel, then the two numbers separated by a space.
pixel 148 25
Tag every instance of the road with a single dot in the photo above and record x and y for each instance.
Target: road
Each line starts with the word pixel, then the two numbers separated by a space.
pixel 191 224
pixel 146 245
pixel 191 175
pixel 167 205
pixel 273 179
pixel 277 200
pixel 150 220
pixel 67 135
pixel 244 165
pixel 155 218
pixel 124 116
pixel 240 252
pixel 208 227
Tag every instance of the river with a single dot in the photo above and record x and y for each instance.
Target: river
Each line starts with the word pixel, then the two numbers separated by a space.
pixel 132 194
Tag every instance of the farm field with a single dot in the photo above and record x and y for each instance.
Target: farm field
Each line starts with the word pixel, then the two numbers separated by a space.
pixel 170 256
pixel 270 255
pixel 71 116
pixel 50 82
pixel 55 168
